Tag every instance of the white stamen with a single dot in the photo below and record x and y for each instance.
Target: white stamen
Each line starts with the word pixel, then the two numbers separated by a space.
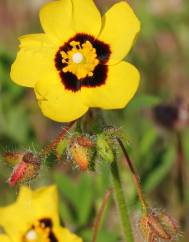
pixel 31 235
pixel 77 57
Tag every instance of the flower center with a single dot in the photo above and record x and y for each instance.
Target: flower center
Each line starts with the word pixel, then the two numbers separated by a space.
pixel 77 58
pixel 40 231
pixel 80 60
pixel 31 235
pixel 37 235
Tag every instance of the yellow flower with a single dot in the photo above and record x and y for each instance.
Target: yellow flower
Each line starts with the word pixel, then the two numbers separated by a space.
pixel 34 218
pixel 78 62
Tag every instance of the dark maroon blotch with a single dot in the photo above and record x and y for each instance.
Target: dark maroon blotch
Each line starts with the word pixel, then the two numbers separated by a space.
pixel 69 80
pixel 46 222
pixel 52 237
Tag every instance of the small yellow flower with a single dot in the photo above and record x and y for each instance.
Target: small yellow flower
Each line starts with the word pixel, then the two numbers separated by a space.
pixel 34 218
pixel 78 62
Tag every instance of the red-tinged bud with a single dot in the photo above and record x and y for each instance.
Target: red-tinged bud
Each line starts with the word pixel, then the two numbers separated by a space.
pixel 79 155
pixel 17 173
pixel 26 170
pixel 157 226
pixel 12 158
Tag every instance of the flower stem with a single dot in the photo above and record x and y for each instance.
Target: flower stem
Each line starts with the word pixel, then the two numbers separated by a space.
pixel 135 176
pixel 121 203
pixel 180 167
pixel 46 150
pixel 99 216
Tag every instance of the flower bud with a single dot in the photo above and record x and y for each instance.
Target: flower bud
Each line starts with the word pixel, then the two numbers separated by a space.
pixel 85 141
pixel 157 226
pixel 104 149
pixel 79 155
pixel 26 169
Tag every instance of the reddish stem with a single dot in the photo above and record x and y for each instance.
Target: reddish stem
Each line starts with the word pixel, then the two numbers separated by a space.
pixel 134 175
pixel 180 166
pixel 46 151
pixel 99 216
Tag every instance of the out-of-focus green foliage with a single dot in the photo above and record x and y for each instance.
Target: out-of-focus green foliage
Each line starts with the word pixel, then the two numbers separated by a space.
pixel 13 113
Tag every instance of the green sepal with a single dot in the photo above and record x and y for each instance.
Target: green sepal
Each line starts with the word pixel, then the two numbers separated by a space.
pixel 92 161
pixel 50 160
pixel 61 147
pixel 104 149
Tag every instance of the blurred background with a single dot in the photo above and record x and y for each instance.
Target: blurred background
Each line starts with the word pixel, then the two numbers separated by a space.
pixel 156 122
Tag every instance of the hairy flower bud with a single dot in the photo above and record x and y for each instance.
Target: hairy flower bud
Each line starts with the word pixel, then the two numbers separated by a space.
pixel 157 226
pixel 81 150
pixel 79 155
pixel 85 141
pixel 26 169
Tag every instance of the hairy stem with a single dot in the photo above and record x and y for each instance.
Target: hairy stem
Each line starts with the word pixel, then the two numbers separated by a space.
pixel 99 216
pixel 135 176
pixel 46 150
pixel 121 203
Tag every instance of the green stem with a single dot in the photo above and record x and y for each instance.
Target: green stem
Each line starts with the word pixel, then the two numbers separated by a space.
pixel 121 203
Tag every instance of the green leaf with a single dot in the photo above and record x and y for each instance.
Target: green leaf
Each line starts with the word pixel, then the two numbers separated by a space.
pixel 67 187
pixel 156 176
pixel 85 199
pixel 17 125
pixel 148 140
pixel 65 213
pixel 79 194
pixel 103 236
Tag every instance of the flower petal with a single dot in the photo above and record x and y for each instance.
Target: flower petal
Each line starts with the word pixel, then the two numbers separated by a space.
pixel 17 217
pixel 4 238
pixel 65 235
pixel 45 204
pixel 86 17
pixel 30 206
pixel 121 84
pixel 56 102
pixel 120 29
pixel 56 20
pixel 36 56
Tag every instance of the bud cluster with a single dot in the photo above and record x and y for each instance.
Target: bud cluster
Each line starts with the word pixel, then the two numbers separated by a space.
pixel 84 150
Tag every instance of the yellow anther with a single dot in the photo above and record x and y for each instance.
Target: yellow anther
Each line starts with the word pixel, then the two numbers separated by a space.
pixel 81 60
pixel 75 43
